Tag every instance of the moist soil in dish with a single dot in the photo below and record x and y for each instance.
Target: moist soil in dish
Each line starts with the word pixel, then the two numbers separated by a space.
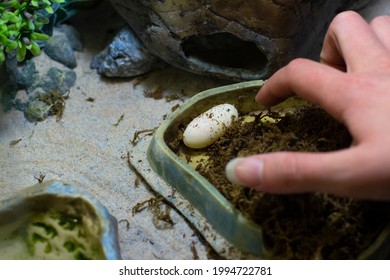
pixel 298 226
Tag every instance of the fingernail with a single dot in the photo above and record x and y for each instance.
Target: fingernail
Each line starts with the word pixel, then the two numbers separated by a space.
pixel 248 172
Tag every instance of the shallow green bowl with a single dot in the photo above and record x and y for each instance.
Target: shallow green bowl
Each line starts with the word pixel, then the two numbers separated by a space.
pixel 53 220
pixel 219 212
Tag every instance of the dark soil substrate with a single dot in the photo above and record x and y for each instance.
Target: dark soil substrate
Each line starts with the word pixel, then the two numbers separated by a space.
pixel 299 226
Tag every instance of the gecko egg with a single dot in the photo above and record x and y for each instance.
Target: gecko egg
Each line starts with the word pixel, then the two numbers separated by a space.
pixel 206 128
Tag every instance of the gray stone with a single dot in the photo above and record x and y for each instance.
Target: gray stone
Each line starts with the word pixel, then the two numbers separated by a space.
pixel 44 92
pixel 8 80
pixel 125 56
pixel 59 49
pixel 73 36
pixel 37 111
pixel 29 76
pixel 61 80
pixel 54 85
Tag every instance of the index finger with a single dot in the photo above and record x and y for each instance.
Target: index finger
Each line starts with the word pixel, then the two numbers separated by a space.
pixel 315 82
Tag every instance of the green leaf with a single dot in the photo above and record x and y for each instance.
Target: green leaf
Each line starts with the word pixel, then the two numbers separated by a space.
pixel 3 38
pixel 42 18
pixel 23 5
pixel 13 27
pixel 35 49
pixel 49 9
pixel 10 4
pixel 34 3
pixel 19 23
pixel 11 44
pixel 39 36
pixel 21 53
pixel 13 18
pixel 2 56
pixel 5 16
pixel 38 25
pixel 45 3
pixel 30 25
pixel 13 33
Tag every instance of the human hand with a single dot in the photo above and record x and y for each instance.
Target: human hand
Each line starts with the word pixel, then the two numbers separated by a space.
pixel 352 83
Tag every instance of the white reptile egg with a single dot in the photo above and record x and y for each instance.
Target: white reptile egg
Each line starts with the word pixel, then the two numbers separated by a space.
pixel 206 128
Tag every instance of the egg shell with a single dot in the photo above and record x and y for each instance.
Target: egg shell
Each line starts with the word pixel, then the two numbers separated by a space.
pixel 208 127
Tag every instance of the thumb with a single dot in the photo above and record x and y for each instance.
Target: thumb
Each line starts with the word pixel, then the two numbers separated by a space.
pixel 292 172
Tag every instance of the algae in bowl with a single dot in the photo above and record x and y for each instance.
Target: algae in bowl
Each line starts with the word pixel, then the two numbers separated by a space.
pixel 278 226
pixel 56 221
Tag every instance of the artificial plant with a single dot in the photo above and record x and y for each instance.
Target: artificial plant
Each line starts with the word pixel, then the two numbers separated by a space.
pixel 20 24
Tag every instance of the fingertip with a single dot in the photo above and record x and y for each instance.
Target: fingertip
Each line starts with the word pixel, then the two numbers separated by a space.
pixel 230 171
pixel 245 171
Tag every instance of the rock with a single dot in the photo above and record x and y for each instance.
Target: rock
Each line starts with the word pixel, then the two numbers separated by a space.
pixel 73 36
pixel 8 80
pixel 60 80
pixel 235 40
pixel 29 77
pixel 60 49
pixel 125 56
pixel 36 111
pixel 47 94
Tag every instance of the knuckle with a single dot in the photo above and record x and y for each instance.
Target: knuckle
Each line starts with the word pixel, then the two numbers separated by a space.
pixel 382 20
pixel 291 171
pixel 295 65
pixel 343 18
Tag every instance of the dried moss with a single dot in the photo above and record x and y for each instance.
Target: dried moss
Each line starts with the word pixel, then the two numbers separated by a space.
pixel 138 133
pixel 299 226
pixel 161 212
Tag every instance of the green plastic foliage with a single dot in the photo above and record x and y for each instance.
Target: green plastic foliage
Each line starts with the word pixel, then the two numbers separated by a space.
pixel 20 22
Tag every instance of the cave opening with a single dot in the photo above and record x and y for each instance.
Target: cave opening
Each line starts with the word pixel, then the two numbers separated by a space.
pixel 224 50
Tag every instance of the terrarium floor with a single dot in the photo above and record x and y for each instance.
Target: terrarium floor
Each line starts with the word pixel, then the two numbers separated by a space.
pixel 89 146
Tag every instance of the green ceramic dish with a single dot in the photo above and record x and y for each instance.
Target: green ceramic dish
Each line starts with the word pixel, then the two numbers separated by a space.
pixel 219 212
pixel 53 220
